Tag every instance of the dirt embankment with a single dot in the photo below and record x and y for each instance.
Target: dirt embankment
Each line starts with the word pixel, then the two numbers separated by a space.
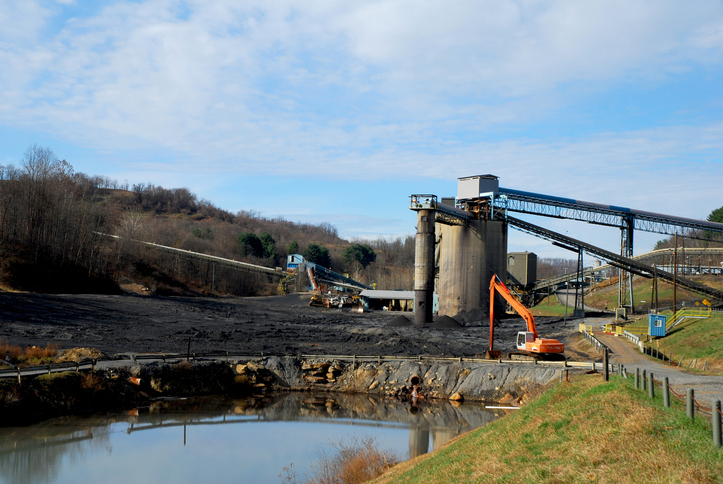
pixel 284 326
pixel 128 387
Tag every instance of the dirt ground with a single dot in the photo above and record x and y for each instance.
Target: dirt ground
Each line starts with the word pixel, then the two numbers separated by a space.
pixel 270 325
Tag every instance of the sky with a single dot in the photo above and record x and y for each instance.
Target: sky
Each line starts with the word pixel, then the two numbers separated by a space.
pixel 322 111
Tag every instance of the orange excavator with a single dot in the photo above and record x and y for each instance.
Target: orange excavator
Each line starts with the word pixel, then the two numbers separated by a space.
pixel 529 344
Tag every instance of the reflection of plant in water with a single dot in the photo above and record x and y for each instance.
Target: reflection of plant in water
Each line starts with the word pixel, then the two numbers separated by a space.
pixel 352 462
pixel 38 453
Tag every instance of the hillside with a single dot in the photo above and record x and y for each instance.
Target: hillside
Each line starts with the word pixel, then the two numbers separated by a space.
pixel 582 431
pixel 54 225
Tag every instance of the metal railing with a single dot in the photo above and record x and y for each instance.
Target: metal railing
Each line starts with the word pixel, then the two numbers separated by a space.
pixel 87 364
pixel 590 337
pixel 631 337
pixel 234 357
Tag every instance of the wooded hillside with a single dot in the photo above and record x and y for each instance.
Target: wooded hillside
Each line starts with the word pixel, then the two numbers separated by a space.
pixel 54 227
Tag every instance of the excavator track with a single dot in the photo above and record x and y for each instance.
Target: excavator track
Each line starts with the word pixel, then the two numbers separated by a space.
pixel 520 356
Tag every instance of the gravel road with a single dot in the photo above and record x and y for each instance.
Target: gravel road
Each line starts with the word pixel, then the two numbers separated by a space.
pixel 707 388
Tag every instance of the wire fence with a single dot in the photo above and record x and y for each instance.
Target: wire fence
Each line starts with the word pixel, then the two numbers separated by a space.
pixel 693 406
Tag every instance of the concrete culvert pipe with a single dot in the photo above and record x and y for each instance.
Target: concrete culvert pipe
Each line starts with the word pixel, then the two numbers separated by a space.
pixel 415 380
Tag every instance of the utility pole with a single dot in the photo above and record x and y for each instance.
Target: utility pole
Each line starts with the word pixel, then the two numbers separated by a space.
pixel 655 281
pixel 675 276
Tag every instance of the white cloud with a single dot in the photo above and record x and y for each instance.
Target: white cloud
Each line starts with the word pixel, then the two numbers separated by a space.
pixel 390 88
pixel 266 77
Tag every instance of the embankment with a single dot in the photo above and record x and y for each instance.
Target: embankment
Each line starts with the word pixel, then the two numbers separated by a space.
pixel 125 387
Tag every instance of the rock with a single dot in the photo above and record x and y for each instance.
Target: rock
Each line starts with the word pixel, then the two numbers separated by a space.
pixel 315 379
pixel 456 397
pixel 374 385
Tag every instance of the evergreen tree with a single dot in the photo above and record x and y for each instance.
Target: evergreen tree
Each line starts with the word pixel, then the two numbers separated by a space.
pixel 361 253
pixel 318 255
pixel 250 244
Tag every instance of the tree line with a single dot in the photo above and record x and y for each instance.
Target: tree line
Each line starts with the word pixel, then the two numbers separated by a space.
pixel 55 226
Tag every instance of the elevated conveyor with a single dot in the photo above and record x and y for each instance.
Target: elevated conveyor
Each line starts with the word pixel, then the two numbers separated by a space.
pixel 624 263
pixel 600 214
pixel 658 257
pixel 322 273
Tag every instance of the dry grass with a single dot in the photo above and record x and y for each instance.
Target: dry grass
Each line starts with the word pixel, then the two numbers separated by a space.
pixel 579 432
pixel 31 355
pixel 352 463
pixel 92 382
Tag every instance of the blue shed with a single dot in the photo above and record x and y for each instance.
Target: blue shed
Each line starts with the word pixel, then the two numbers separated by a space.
pixel 656 325
pixel 293 261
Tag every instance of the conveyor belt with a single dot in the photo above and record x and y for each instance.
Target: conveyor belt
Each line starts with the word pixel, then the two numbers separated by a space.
pixel 624 263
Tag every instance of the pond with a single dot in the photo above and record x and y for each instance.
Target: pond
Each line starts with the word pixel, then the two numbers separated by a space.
pixel 218 439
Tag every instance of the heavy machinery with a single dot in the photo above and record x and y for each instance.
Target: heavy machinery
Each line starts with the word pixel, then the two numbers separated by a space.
pixel 529 344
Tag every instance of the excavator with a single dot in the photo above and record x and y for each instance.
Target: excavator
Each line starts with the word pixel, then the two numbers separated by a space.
pixel 529 344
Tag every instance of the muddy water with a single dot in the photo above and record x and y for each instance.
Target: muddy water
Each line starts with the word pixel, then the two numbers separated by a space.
pixel 223 440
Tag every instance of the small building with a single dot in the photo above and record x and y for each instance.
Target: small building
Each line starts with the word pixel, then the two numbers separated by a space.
pixel 392 300
pixel 293 261
pixel 522 268
pixel 656 325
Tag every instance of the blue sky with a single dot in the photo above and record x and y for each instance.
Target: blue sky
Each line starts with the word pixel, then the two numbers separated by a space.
pixel 336 112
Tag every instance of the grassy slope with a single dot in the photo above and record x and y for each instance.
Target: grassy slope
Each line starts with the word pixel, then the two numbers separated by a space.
pixel 698 338
pixel 642 291
pixel 583 431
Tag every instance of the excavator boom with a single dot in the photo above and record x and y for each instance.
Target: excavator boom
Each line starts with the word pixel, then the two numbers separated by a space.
pixel 527 341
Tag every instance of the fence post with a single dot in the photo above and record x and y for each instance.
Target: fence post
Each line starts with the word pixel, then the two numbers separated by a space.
pixel 651 386
pixel 716 423
pixel 645 380
pixel 666 393
pixel 19 382
pixel 689 404
pixel 606 369
pixel 637 378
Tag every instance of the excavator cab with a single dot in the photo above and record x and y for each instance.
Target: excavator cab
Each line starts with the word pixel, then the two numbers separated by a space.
pixel 524 337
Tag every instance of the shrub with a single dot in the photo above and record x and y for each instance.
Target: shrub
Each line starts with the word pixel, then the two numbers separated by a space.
pixel 358 461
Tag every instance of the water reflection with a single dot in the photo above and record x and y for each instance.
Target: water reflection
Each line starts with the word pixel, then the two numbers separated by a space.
pixel 239 433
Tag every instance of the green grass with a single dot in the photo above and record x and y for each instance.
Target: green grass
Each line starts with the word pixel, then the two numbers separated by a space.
pixel 642 291
pixel 697 338
pixel 582 431
pixel 550 306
